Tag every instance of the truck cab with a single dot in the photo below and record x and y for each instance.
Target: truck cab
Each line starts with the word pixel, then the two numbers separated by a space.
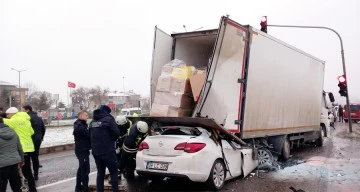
pixel 326 118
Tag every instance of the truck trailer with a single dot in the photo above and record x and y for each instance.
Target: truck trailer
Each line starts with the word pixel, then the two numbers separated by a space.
pixel 259 88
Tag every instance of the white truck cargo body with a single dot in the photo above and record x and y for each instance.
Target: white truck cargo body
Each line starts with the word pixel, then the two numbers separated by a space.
pixel 256 84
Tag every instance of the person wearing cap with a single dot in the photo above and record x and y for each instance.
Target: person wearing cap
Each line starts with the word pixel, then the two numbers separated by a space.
pixel 20 123
pixel 39 128
pixel 134 137
pixel 11 156
pixel 103 135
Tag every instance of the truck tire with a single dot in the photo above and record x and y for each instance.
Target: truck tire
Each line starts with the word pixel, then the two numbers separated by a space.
pixel 217 176
pixel 285 152
pixel 320 141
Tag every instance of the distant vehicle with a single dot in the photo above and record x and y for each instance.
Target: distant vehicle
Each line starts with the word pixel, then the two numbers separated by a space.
pixel 131 111
pixel 354 112
pixel 192 153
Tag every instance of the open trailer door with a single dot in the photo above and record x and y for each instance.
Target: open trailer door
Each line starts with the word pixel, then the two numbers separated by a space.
pixel 161 55
pixel 222 94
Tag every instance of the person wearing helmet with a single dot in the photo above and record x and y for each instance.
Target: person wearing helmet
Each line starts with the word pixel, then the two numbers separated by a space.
pixel 136 134
pixel 123 124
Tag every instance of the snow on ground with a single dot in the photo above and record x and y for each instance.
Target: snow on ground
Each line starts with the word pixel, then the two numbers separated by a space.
pixel 58 136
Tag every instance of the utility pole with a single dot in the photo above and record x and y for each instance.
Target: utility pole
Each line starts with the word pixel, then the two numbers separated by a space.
pixel 19 71
pixel 342 58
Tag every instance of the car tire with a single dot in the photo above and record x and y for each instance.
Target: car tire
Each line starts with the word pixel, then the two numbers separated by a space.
pixel 217 176
pixel 346 120
pixel 320 141
pixel 285 152
pixel 266 158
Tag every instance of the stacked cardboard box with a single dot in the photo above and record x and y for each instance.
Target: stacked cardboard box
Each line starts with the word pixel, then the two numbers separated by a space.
pixel 173 97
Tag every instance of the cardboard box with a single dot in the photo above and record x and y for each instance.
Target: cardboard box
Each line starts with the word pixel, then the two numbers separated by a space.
pixel 166 69
pixel 158 110
pixel 179 112
pixel 164 83
pixel 180 86
pixel 197 81
pixel 174 99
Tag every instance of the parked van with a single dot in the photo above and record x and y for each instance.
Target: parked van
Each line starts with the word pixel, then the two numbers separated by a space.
pixel 131 111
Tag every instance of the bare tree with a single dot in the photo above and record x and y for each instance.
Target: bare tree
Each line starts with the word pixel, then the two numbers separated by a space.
pixel 81 96
pixel 99 95
pixel 31 86
pixel 84 96
pixel 40 100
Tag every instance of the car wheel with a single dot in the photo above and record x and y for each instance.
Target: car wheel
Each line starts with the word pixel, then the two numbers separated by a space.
pixel 320 141
pixel 285 153
pixel 346 120
pixel 266 158
pixel 217 175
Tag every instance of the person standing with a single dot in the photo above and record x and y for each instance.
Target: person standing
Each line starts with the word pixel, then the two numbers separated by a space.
pixel 341 114
pixel 39 128
pixel 82 148
pixel 20 123
pixel 11 156
pixel 103 135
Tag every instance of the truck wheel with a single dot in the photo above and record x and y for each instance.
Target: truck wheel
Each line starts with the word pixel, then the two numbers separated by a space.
pixel 285 153
pixel 320 141
pixel 217 176
pixel 266 158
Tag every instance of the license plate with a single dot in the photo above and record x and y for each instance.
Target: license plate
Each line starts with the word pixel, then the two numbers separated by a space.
pixel 352 113
pixel 157 166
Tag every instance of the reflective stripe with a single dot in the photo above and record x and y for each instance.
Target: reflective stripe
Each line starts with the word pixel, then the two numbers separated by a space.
pixel 129 150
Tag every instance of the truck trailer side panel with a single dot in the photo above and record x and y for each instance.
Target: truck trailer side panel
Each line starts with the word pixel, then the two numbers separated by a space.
pixel 283 89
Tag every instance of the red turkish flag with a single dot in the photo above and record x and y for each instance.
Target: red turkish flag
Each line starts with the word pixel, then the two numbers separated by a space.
pixel 71 84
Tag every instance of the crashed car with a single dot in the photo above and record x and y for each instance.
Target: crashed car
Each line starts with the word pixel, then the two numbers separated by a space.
pixel 195 153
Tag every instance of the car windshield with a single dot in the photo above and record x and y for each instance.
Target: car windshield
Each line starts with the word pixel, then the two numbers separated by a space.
pixel 123 112
pixel 180 130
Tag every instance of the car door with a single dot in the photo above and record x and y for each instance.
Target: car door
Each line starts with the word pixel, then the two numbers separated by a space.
pixel 232 159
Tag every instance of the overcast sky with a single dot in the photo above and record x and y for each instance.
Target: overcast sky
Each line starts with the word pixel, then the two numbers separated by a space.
pixel 97 42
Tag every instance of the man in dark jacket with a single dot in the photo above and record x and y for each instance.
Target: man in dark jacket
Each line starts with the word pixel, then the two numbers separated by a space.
pixel 103 135
pixel 82 147
pixel 135 136
pixel 11 155
pixel 39 128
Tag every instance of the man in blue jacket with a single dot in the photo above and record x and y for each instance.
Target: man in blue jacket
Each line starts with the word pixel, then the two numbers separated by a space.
pixel 103 135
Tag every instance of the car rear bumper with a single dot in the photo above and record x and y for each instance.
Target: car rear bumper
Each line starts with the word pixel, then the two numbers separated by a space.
pixel 191 166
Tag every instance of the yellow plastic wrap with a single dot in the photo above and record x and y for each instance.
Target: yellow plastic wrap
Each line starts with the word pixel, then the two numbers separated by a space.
pixel 183 72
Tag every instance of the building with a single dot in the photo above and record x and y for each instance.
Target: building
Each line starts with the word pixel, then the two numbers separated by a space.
pixel 10 96
pixel 124 100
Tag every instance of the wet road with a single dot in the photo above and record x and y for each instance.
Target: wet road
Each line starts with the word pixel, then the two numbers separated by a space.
pixel 334 167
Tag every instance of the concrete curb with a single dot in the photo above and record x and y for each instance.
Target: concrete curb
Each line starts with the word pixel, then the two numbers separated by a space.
pixel 56 149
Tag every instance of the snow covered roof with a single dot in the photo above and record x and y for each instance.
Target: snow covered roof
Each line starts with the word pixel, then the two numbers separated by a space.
pixel 6 83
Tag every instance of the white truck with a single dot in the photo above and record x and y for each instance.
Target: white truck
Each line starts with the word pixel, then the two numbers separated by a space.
pixel 258 87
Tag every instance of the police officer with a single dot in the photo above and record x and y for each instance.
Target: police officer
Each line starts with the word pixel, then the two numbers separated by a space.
pixel 136 134
pixel 103 135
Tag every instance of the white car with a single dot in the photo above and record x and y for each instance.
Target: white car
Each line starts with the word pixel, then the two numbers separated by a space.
pixel 191 152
